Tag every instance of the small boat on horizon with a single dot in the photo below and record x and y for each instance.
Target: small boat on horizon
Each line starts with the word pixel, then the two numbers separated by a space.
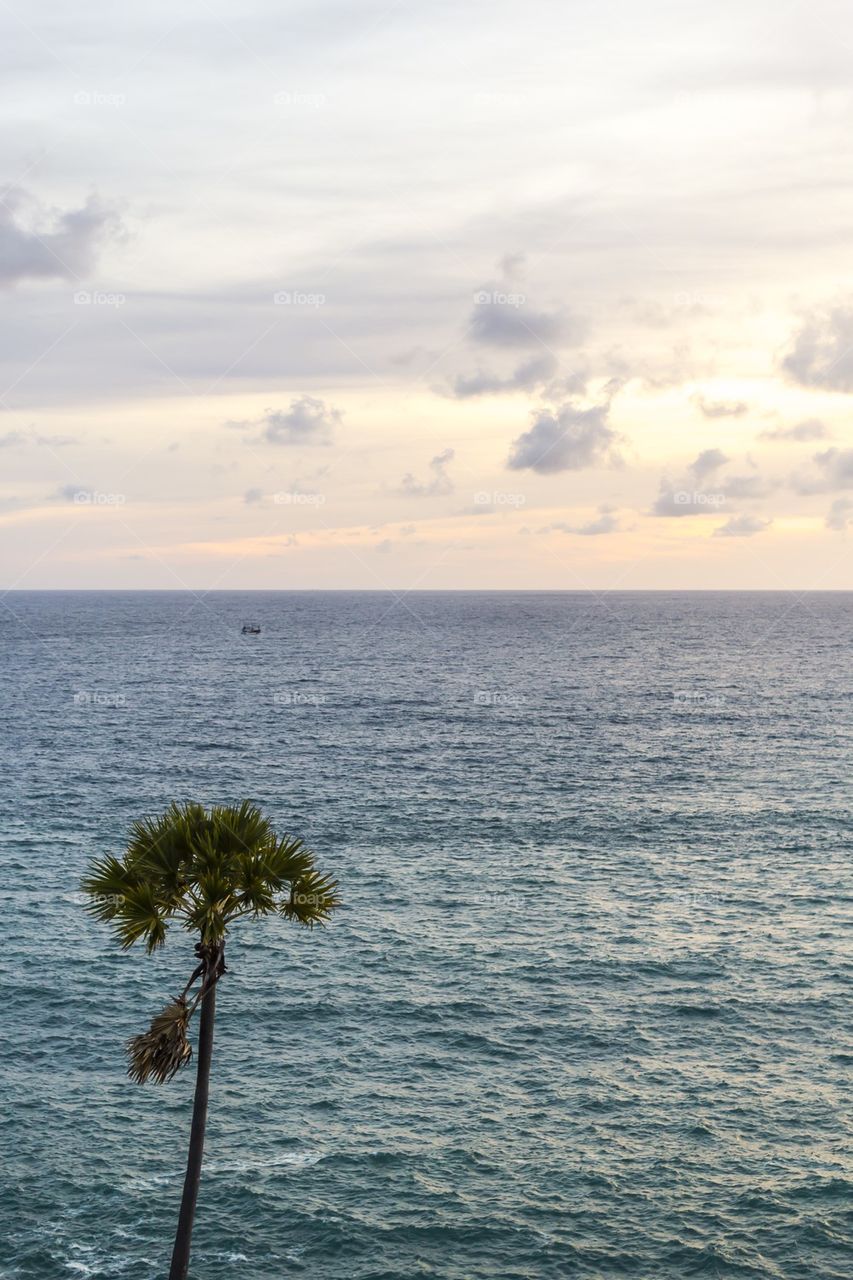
pixel 250 629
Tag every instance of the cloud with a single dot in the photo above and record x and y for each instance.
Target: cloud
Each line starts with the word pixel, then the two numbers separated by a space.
pixel 675 501
pixel 576 383
pixel 840 515
pixel 606 522
pixel 308 421
pixel 439 482
pixel 504 319
pixel 835 471
pixel 742 527
pixel 684 498
pixel 532 373
pixel 54 442
pixel 720 408
pixel 569 439
pixel 512 265
pixel 811 429
pixel 252 496
pixel 822 351
pixel 69 493
pixel 413 354
pixel 59 245
pixel 12 439
pixel 708 461
pixel 740 487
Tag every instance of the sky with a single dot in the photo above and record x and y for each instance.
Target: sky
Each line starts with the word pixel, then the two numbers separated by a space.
pixel 426 296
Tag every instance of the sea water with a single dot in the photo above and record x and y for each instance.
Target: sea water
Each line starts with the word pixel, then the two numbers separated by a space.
pixel 586 1011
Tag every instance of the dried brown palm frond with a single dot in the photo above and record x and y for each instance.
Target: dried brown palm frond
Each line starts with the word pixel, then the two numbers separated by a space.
pixel 163 1049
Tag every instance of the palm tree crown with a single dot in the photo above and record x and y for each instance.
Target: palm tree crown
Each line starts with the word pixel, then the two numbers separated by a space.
pixel 205 869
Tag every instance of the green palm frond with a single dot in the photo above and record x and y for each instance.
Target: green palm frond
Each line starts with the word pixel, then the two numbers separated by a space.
pixel 287 861
pixel 312 899
pixel 253 892
pixel 138 916
pixel 204 868
pixel 107 883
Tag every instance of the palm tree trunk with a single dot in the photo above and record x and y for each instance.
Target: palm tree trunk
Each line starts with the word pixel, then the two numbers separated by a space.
pixel 183 1236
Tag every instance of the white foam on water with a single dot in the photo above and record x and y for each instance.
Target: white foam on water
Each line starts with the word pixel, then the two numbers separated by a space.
pixel 298 1158
pixel 295 1159
pixel 150 1181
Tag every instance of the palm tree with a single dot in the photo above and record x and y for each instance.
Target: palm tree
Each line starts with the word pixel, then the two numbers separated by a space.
pixel 205 869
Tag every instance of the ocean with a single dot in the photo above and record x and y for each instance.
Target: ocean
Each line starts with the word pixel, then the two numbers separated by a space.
pixel 586 1011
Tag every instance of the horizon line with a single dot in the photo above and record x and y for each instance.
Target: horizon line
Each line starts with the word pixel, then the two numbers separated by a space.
pixel 426 591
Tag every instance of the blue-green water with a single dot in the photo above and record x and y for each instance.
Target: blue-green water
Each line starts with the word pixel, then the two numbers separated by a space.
pixel 587 1010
